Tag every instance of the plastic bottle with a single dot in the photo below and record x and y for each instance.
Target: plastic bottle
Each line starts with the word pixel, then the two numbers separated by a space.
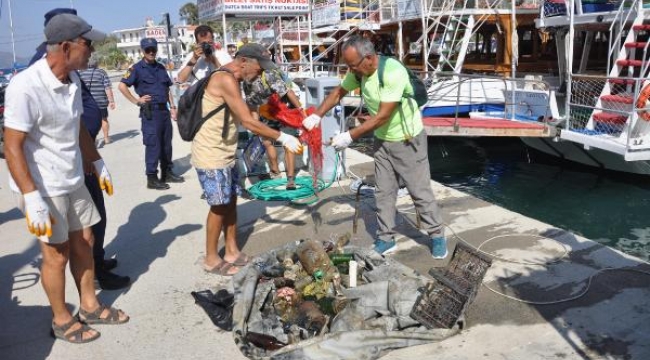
pixel 315 261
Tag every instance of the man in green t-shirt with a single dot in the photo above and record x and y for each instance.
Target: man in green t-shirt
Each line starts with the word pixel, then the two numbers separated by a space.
pixel 400 142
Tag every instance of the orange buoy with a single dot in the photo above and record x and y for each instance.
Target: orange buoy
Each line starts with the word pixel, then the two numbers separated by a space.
pixel 642 103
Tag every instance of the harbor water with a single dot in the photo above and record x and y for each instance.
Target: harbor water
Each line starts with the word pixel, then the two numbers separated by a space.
pixel 611 208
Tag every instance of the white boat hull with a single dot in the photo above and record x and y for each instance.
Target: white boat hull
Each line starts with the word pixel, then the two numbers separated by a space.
pixel 593 157
pixel 456 95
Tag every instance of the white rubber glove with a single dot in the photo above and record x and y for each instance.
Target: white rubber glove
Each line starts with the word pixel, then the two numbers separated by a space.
pixel 39 220
pixel 104 177
pixel 290 143
pixel 341 141
pixel 311 121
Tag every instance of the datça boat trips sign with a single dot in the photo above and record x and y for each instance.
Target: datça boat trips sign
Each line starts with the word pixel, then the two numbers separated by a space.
pixel 211 9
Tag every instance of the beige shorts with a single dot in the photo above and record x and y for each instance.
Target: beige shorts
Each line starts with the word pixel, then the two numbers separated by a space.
pixel 71 212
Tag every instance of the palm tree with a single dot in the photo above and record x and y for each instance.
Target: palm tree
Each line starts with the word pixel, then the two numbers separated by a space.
pixel 114 58
pixel 190 13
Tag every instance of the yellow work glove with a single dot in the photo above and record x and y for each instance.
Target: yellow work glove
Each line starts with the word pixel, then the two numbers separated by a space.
pixel 104 177
pixel 37 213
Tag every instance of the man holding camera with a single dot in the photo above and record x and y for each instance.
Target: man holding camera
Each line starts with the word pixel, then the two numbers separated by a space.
pixel 203 60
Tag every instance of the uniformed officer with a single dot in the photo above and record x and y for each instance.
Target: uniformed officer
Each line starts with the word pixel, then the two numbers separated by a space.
pixel 152 83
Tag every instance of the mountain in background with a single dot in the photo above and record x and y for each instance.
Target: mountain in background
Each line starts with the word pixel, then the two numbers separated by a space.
pixel 7 59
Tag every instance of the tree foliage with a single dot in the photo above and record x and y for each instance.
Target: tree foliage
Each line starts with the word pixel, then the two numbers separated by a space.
pixel 190 13
pixel 107 53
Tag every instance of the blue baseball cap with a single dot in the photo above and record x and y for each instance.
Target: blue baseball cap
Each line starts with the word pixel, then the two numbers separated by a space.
pixel 54 12
pixel 148 43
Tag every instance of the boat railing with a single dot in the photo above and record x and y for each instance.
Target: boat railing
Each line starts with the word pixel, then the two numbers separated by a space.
pixel 616 28
pixel 616 117
pixel 555 8
pixel 301 70
pixel 394 10
pixel 514 94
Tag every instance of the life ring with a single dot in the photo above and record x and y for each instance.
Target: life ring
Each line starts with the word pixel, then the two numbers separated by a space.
pixel 642 103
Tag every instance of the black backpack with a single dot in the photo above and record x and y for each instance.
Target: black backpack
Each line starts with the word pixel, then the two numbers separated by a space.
pixel 190 110
pixel 419 89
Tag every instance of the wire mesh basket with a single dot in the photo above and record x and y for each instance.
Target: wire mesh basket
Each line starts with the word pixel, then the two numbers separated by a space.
pixel 440 305
pixel 445 299
pixel 465 270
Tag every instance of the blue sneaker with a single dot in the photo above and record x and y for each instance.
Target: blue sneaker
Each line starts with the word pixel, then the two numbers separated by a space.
pixel 385 247
pixel 439 247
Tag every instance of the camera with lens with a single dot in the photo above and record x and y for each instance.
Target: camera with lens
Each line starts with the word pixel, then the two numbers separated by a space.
pixel 207 48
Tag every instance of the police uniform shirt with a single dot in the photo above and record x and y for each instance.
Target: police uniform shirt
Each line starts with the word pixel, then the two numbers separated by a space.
pixel 149 79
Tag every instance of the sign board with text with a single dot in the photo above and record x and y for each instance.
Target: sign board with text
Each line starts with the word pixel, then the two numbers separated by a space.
pixel 408 9
pixel 214 9
pixel 157 32
pixel 325 13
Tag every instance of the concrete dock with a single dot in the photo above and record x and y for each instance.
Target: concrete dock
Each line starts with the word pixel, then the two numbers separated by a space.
pixel 158 238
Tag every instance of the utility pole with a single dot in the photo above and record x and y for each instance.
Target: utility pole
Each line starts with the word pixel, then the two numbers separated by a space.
pixel 168 30
pixel 13 42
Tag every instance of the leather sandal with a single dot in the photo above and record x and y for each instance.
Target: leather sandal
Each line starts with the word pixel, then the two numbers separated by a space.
pixel 94 317
pixel 242 259
pixel 76 336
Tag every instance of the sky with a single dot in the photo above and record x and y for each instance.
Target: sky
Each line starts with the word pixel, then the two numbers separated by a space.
pixel 106 16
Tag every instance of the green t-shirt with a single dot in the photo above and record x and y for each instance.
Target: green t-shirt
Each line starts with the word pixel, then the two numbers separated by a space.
pixel 396 81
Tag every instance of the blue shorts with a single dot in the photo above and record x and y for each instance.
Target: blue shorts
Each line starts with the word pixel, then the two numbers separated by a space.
pixel 219 185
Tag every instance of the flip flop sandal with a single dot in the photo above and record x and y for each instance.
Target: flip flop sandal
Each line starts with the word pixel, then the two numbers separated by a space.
pixel 221 269
pixel 242 260
pixel 74 337
pixel 94 317
pixel 291 183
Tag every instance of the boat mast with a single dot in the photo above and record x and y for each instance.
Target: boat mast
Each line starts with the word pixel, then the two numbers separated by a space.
pixel 514 53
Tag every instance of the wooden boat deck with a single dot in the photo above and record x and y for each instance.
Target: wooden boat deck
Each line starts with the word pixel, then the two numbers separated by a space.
pixel 442 126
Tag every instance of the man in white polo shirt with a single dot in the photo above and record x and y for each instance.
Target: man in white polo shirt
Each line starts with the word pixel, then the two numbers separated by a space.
pixel 47 150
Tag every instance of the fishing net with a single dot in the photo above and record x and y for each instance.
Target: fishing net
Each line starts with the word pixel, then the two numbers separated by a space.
pixel 275 109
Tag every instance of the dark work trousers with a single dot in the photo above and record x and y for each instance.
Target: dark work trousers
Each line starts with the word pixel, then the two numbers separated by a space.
pixel 99 229
pixel 410 162
pixel 157 139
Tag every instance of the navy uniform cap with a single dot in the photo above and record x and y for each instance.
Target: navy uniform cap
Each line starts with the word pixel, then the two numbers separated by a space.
pixel 148 43
pixel 54 12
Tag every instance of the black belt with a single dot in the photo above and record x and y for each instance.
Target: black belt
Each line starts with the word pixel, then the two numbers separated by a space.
pixel 160 106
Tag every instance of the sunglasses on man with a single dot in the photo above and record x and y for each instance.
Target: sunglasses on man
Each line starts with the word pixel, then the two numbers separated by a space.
pixel 87 43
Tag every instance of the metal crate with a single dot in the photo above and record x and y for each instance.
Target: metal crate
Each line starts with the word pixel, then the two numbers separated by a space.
pixel 453 288
pixel 440 305
pixel 465 270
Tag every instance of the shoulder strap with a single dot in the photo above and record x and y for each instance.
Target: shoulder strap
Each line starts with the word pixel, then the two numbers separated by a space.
pixel 382 67
pixel 226 118
pixel 92 76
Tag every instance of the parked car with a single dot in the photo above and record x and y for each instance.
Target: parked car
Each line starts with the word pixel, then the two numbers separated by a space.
pixel 4 80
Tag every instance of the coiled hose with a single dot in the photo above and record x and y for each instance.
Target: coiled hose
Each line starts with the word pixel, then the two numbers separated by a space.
pixel 304 194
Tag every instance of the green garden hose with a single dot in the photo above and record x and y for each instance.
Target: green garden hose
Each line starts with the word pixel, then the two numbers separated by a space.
pixel 304 194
